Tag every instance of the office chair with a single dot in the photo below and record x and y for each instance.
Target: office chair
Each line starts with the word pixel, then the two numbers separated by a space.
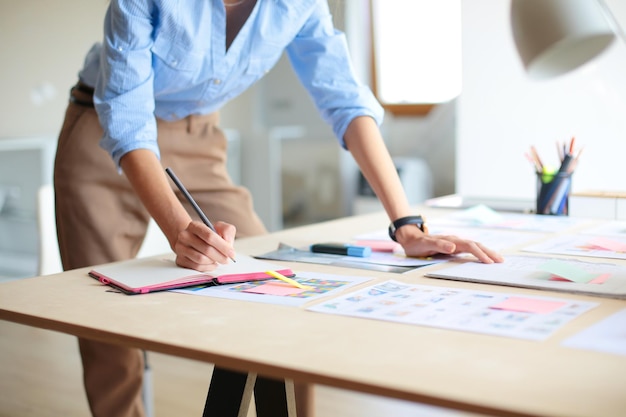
pixel 49 262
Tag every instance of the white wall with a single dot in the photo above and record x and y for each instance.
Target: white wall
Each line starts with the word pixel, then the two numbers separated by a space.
pixel 42 47
pixel 501 112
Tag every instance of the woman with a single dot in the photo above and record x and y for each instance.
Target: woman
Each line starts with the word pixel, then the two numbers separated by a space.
pixel 148 98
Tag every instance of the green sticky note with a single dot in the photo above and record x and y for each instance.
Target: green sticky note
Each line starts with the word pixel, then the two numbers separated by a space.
pixel 568 271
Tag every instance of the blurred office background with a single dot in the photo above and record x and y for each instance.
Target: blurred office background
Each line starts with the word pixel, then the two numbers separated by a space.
pixel 471 144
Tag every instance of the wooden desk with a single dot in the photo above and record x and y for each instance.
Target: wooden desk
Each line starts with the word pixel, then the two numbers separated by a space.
pixel 467 371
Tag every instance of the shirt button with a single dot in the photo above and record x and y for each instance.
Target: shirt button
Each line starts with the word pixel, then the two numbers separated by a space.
pixel 217 81
pixel 174 63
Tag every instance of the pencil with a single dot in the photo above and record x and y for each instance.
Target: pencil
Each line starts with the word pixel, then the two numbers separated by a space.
pixel 559 150
pixel 535 155
pixel 578 154
pixel 534 162
pixel 193 203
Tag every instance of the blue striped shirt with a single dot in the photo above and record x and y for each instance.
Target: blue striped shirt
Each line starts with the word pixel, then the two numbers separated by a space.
pixel 168 58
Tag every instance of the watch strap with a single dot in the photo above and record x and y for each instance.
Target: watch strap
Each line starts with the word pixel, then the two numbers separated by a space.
pixel 403 221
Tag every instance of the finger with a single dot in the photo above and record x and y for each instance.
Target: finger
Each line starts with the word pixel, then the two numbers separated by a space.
pixel 449 245
pixel 479 253
pixel 430 245
pixel 441 244
pixel 210 243
pixel 188 256
pixel 493 255
pixel 482 253
pixel 226 230
pixel 198 244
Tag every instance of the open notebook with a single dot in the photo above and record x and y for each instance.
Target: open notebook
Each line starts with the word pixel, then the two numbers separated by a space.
pixel 140 276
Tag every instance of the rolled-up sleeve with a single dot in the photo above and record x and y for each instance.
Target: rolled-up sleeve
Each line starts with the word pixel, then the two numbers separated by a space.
pixel 124 96
pixel 320 57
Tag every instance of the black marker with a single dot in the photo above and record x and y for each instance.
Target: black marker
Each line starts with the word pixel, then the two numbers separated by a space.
pixel 342 249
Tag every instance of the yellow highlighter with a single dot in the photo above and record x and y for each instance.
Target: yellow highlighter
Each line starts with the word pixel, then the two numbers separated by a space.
pixel 288 280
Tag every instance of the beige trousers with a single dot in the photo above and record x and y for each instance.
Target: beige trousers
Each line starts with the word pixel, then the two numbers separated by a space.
pixel 100 219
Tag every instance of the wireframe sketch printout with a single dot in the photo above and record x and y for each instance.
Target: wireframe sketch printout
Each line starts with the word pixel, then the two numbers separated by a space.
pixel 567 275
pixel 595 246
pixel 511 315
pixel 277 292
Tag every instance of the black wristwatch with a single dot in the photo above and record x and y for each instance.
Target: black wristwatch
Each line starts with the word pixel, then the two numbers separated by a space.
pixel 403 221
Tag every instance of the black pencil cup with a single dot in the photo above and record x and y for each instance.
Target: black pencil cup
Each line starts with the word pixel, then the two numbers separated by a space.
pixel 553 192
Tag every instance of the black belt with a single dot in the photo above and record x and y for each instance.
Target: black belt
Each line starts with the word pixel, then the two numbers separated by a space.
pixel 85 90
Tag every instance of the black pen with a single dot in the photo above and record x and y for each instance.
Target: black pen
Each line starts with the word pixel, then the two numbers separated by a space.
pixel 193 203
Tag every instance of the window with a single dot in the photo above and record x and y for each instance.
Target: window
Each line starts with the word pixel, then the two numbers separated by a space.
pixel 416 53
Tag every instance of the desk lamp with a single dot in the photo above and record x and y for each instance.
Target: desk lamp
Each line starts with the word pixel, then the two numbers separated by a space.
pixel 554 37
pixel 557 36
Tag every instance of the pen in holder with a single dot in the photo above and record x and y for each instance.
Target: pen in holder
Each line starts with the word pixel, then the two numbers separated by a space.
pixel 554 186
pixel 553 192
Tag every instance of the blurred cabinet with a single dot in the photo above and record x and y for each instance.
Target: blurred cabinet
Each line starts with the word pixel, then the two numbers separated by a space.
pixel 25 165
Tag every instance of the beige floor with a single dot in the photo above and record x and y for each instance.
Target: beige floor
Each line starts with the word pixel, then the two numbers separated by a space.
pixel 40 377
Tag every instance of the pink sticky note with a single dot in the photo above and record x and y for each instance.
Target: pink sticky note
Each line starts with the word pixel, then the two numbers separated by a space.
pixel 275 288
pixel 600 279
pixel 529 305
pixel 380 245
pixel 608 244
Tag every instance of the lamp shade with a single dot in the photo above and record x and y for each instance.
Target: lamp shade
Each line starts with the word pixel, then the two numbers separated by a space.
pixel 556 36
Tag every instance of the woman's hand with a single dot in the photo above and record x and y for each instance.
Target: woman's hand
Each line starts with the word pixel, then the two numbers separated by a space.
pixel 417 243
pixel 198 247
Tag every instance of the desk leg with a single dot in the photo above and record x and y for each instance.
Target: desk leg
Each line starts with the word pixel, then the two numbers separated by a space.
pixel 230 394
pixel 274 398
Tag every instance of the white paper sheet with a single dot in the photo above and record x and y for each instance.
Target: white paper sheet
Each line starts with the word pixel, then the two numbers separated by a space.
pixel 456 309
pixel 608 335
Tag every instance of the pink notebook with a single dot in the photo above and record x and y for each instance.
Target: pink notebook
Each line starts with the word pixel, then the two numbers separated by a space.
pixel 141 276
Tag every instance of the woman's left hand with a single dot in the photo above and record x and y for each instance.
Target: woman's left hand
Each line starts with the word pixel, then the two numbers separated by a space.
pixel 417 243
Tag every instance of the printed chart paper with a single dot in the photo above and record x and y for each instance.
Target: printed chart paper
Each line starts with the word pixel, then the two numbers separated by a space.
pixel 511 315
pixel 275 292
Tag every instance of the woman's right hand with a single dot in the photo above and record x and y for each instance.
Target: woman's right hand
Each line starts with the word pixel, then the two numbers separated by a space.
pixel 198 247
